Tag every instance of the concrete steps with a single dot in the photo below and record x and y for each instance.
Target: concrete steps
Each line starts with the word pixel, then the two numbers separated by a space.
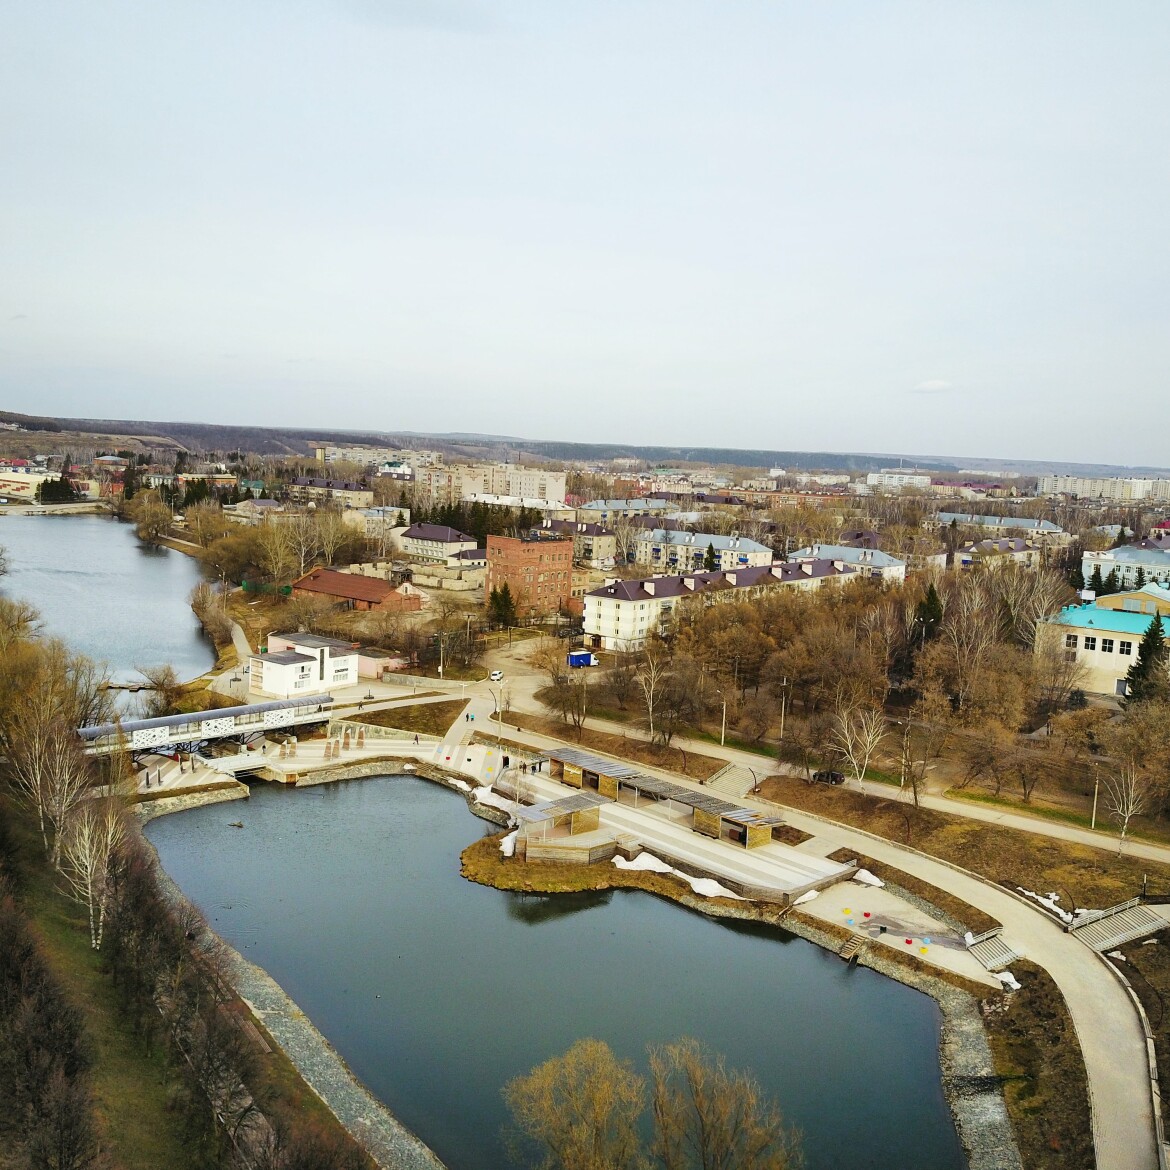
pixel 732 781
pixel 1116 930
pixel 994 953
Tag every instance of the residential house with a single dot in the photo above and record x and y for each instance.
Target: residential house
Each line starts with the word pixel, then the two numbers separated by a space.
pixel 607 511
pixel 593 544
pixel 667 552
pixel 1041 531
pixel 869 562
pixel 1126 561
pixel 998 553
pixel 346 493
pixel 435 542
pixel 621 615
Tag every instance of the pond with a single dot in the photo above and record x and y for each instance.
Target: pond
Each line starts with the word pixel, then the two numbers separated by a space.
pixel 437 991
pixel 107 594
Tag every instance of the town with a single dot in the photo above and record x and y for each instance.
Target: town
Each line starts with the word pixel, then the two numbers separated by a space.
pixel 712 673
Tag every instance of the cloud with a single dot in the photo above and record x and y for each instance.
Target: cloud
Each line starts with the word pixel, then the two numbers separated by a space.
pixel 932 386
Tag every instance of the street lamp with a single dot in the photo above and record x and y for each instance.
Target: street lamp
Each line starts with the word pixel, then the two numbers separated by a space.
pixel 723 723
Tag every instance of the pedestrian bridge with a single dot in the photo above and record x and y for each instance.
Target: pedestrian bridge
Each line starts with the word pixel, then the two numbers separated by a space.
pixel 191 732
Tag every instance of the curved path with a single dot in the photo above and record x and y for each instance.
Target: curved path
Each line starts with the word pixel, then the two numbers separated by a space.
pixel 1111 1037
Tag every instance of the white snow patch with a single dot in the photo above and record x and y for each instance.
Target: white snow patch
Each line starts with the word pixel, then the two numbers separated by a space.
pixel 1049 902
pixel 867 879
pixel 1115 955
pixel 707 887
pixel 462 785
pixel 808 896
pixel 1150 942
pixel 1007 979
pixel 486 796
pixel 508 844
pixel 644 861
pixel 408 767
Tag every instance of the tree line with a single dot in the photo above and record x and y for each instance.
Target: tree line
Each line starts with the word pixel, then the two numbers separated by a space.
pixel 169 972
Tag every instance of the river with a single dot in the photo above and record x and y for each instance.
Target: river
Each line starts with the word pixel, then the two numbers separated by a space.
pixel 437 991
pixel 97 586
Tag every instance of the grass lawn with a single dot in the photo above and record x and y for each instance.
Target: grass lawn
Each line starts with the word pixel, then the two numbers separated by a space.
pixel 425 718
pixel 1147 967
pixel 1081 874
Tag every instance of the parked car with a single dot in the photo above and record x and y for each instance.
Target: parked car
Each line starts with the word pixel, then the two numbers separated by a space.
pixel 828 777
pixel 496 676
pixel 570 632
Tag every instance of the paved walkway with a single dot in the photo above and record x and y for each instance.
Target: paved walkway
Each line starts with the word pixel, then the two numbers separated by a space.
pixel 1111 1038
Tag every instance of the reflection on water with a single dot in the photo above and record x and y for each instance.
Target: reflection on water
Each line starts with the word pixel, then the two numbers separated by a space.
pixel 537 908
pixel 105 593
pixel 438 991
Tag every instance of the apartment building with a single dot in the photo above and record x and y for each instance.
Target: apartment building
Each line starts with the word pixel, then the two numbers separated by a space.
pixel 667 551
pixel 593 545
pixel 621 615
pixel 450 484
pixel 1113 488
pixel 869 562
pixel 304 490
pixel 1152 562
pixel 435 542
pixel 895 479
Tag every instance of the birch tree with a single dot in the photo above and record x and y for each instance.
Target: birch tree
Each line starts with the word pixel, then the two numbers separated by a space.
pixel 857 733
pixel 92 837
pixel 1127 792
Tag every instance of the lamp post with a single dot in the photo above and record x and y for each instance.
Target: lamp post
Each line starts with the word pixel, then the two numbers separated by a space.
pixel 1096 784
pixel 783 705
pixel 723 723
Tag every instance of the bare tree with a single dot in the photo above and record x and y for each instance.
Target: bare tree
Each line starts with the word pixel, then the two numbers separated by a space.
pixel 857 734
pixel 206 522
pixel 581 1109
pixel 625 534
pixel 304 544
pixel 276 555
pixel 709 1117
pixel 652 677
pixel 18 621
pixel 93 834
pixel 164 689
pixel 332 532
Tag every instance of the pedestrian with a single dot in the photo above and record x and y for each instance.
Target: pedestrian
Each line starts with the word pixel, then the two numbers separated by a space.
pixel 416 739
pixel 361 705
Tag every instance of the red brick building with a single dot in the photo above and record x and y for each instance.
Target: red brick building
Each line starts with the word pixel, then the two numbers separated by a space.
pixel 538 570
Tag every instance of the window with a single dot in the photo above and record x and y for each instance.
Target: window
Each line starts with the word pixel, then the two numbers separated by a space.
pixel 1106 645
pixel 1090 642
pixel 1070 640
pixel 1125 648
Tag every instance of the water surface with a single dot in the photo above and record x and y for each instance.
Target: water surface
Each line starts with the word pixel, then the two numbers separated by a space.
pixel 437 991
pixel 98 587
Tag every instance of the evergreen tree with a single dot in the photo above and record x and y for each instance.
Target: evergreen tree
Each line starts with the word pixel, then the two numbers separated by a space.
pixel 1095 582
pixel 1147 677
pixel 1076 578
pixel 1111 583
pixel 711 560
pixel 507 606
pixel 1140 579
pixel 930 612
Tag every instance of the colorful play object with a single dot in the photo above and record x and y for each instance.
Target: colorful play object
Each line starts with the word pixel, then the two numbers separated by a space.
pixel 867 913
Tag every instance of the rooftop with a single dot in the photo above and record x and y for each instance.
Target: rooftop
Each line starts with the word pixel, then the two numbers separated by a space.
pixel 348 586
pixel 688 584
pixel 977 521
pixel 1089 617
pixel 851 554
pixel 437 532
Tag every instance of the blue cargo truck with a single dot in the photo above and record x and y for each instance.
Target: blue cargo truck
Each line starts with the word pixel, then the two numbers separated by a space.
pixel 582 658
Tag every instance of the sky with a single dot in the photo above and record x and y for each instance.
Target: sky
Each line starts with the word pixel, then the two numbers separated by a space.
pixel 934 228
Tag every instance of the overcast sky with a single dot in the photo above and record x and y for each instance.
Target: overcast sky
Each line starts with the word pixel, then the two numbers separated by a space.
pixel 921 227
